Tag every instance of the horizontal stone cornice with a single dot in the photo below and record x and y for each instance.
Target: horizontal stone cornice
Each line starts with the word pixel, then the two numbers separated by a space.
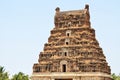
pixel 71 74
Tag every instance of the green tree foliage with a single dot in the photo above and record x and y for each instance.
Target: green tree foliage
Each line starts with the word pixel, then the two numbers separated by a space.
pixel 115 77
pixel 3 75
pixel 20 76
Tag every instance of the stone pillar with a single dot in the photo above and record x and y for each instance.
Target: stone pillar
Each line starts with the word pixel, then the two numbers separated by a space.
pixel 52 79
pixel 76 78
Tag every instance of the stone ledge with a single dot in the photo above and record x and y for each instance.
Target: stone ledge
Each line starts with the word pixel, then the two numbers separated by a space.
pixel 69 74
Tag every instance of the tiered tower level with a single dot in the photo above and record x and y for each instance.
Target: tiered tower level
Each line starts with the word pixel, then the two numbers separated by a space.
pixel 72 51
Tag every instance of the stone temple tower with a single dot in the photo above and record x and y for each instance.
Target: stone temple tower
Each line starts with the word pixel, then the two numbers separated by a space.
pixel 72 51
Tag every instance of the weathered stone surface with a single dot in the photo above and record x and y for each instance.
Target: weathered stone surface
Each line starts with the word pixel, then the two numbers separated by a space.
pixel 72 50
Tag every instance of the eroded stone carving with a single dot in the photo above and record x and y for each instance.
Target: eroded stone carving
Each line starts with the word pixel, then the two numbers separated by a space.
pixel 72 46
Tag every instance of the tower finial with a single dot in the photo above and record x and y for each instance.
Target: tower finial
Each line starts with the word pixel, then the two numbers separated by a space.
pixel 87 6
pixel 57 9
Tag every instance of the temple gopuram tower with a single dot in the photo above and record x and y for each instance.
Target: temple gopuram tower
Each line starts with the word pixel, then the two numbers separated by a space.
pixel 72 51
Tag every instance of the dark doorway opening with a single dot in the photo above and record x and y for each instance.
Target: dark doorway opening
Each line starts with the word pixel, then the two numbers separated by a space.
pixel 64 68
pixel 68 34
pixel 66 43
pixel 65 53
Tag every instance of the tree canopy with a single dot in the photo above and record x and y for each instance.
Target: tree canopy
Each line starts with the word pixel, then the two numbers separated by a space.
pixel 3 75
pixel 20 76
pixel 115 77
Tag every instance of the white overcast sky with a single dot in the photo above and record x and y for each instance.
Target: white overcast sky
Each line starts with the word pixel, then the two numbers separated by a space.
pixel 25 27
